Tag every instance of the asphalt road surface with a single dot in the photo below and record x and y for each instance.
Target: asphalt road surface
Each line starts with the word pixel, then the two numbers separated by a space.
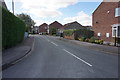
pixel 53 58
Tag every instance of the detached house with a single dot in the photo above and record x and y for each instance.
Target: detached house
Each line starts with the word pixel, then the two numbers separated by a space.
pixel 43 28
pixel 55 26
pixel 106 21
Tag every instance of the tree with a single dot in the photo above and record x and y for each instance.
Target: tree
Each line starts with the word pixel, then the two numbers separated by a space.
pixel 28 21
pixel 53 31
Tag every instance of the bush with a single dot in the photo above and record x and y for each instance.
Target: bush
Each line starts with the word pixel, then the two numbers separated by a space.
pixel 53 31
pixel 82 39
pixel 92 39
pixel 99 41
pixel 12 29
pixel 68 32
pixel 87 40
pixel 83 33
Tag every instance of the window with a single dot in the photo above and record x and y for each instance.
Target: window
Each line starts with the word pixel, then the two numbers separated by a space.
pixel 107 34
pixel 99 34
pixel 116 30
pixel 117 12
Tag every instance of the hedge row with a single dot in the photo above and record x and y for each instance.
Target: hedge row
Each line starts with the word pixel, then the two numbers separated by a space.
pixel 69 32
pixel 83 33
pixel 12 29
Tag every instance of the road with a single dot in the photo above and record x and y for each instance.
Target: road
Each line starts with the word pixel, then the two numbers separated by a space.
pixel 53 58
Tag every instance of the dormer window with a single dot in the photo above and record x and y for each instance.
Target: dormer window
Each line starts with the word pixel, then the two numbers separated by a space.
pixel 117 12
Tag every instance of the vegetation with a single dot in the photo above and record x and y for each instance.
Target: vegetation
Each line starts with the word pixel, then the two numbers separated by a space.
pixel 83 33
pixel 28 21
pixel 12 29
pixel 53 31
pixel 69 32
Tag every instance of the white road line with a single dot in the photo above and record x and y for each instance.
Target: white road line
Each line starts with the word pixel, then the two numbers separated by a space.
pixel 54 43
pixel 78 58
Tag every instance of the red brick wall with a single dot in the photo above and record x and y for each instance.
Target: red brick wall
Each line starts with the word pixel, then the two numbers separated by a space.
pixel 42 28
pixel 105 20
pixel 69 37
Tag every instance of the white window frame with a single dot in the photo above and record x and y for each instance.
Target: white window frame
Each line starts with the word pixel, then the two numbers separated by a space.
pixel 115 27
pixel 117 12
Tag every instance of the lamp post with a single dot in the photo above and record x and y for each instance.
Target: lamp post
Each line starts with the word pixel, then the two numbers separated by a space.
pixel 13 6
pixel 115 39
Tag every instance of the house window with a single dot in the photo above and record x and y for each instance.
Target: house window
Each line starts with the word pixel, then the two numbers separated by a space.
pixel 99 34
pixel 117 12
pixel 114 31
pixel 107 34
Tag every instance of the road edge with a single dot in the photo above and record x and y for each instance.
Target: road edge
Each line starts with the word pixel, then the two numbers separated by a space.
pixel 5 66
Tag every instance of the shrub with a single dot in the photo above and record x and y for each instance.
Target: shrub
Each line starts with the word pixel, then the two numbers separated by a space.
pixel 68 32
pixel 82 39
pixel 99 41
pixel 92 39
pixel 53 30
pixel 12 29
pixel 83 33
pixel 87 40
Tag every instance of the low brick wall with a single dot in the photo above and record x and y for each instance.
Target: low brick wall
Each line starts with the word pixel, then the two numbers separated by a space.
pixel 69 37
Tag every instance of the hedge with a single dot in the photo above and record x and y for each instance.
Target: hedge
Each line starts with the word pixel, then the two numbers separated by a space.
pixel 69 32
pixel 12 29
pixel 83 33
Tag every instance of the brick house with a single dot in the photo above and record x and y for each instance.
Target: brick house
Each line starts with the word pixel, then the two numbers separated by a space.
pixel 106 21
pixel 56 25
pixel 43 28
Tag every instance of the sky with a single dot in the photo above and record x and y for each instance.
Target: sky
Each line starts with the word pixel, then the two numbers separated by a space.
pixel 63 11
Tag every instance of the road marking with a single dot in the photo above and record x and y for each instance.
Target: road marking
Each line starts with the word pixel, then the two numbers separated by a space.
pixel 54 43
pixel 78 58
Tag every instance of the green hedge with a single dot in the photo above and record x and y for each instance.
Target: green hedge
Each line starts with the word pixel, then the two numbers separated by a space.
pixel 83 33
pixel 68 32
pixel 12 29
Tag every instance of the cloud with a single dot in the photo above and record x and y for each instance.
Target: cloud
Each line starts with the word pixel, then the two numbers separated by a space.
pixel 81 17
pixel 45 8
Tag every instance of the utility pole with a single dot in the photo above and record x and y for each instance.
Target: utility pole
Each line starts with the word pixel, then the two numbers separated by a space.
pixel 13 6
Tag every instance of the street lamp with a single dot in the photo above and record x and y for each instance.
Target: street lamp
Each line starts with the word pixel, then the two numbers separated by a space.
pixel 13 6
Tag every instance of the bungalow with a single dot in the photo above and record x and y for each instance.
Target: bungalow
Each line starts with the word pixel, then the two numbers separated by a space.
pixel 43 28
pixel 106 21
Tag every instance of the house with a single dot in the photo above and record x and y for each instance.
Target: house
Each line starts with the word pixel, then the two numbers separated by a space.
pixel 35 29
pixel 106 21
pixel 43 28
pixel 88 27
pixel 55 26
pixel 3 4
pixel 73 25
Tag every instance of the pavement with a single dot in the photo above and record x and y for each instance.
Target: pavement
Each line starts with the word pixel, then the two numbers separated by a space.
pixel 12 55
pixel 104 48
pixel 53 58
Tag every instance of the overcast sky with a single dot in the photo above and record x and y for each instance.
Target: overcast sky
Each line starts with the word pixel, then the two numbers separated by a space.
pixel 64 11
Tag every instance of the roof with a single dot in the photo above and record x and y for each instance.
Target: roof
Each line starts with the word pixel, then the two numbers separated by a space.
pixel 56 24
pixel 73 25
